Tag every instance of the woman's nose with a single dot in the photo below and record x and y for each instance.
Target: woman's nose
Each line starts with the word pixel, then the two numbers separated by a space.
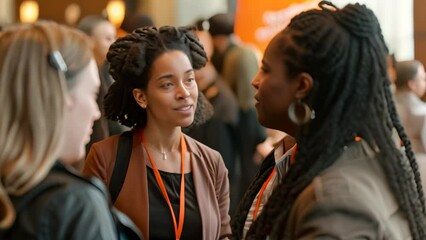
pixel 97 113
pixel 255 81
pixel 183 92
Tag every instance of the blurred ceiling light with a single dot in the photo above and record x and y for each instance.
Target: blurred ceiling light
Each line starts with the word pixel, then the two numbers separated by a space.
pixel 72 13
pixel 116 10
pixel 28 11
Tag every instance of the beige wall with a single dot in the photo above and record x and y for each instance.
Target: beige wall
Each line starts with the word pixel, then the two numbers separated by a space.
pixel 7 15
pixel 191 10
pixel 181 12
pixel 161 11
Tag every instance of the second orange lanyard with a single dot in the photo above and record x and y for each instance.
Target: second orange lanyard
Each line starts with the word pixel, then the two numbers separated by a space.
pixel 178 226
pixel 265 184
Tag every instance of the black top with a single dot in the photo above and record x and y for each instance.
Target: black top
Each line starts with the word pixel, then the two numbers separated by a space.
pixel 160 218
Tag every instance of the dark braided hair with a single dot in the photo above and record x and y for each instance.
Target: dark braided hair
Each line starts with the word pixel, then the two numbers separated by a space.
pixel 345 53
pixel 131 58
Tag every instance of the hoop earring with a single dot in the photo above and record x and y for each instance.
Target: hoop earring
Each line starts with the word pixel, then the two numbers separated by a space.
pixel 308 113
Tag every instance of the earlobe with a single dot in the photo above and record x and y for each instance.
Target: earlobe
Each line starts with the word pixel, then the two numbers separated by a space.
pixel 411 85
pixel 140 98
pixel 306 82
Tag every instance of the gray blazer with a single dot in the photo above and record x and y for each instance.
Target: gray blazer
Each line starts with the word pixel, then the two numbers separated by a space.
pixel 350 200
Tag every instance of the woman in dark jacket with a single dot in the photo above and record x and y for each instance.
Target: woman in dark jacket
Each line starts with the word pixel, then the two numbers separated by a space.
pixel 48 86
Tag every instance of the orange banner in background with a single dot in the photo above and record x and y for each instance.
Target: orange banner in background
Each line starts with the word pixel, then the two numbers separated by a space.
pixel 258 21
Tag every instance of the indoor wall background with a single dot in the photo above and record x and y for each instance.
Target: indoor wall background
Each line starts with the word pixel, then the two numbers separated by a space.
pixel 403 22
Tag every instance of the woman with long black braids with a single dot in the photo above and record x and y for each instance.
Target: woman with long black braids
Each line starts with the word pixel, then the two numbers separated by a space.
pixel 323 80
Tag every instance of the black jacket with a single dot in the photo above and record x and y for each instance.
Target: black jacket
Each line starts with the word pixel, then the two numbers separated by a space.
pixel 67 206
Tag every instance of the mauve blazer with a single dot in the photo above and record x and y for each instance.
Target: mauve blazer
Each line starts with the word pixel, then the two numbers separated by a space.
pixel 210 181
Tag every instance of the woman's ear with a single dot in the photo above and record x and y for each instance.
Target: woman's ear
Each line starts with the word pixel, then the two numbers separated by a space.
pixel 306 82
pixel 140 97
pixel 411 84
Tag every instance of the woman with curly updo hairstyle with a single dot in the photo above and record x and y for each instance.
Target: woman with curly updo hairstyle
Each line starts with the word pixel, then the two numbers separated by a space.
pixel 171 180
pixel 131 59
pixel 324 80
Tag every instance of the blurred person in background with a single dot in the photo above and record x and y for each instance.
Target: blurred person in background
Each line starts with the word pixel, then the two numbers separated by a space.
pixel 135 21
pixel 103 34
pixel 238 64
pixel 411 86
pixel 219 132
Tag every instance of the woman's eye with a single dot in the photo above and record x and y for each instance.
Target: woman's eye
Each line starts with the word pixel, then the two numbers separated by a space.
pixel 167 85
pixel 190 81
pixel 264 69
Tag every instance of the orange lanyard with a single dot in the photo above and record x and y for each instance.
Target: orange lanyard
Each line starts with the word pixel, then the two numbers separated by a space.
pixel 259 198
pixel 265 184
pixel 178 229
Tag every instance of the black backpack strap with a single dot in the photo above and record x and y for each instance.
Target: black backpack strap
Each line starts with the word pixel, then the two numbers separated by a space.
pixel 122 160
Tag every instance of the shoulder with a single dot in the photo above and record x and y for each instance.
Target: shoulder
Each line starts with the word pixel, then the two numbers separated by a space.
pixel 82 212
pixel 66 205
pixel 243 49
pixel 101 157
pixel 103 152
pixel 76 191
pixel 357 175
pixel 241 53
pixel 352 192
pixel 410 101
pixel 107 144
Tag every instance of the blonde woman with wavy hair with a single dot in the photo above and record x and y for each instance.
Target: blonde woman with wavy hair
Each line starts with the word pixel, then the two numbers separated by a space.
pixel 48 87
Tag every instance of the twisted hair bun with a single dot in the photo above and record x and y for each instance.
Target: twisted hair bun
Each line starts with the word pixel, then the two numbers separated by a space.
pixel 195 49
pixel 356 18
pixel 127 54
